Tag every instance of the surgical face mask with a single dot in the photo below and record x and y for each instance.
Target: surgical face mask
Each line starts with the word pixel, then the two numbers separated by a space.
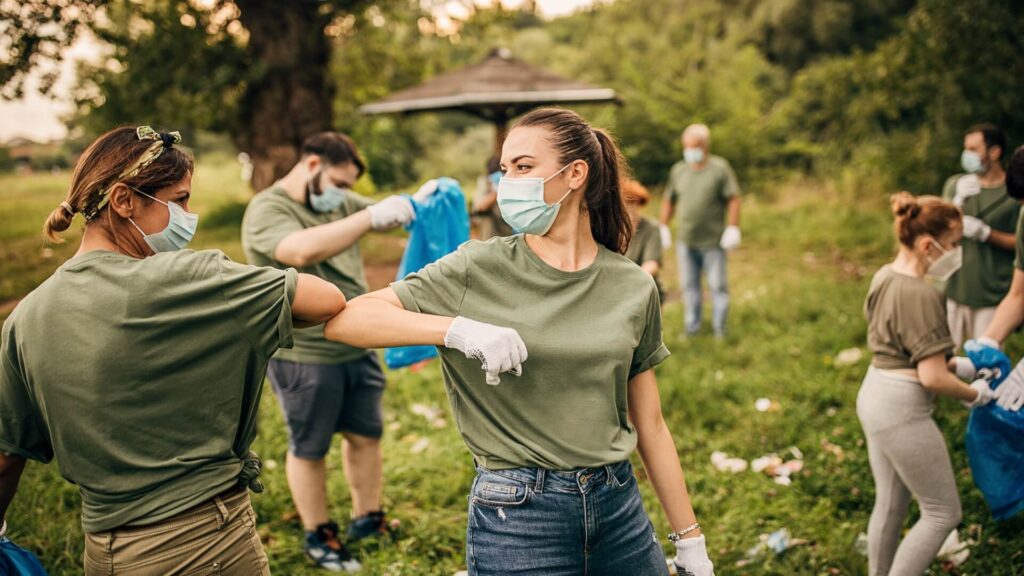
pixel 971 162
pixel 693 155
pixel 946 265
pixel 180 229
pixel 328 200
pixel 522 205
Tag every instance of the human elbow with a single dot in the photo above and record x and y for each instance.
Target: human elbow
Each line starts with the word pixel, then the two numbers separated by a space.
pixel 931 380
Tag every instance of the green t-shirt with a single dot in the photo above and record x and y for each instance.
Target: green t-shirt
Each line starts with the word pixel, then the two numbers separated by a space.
pixel 700 197
pixel 271 216
pixel 142 376
pixel 988 269
pixel 906 321
pixel 1019 259
pixel 646 245
pixel 587 333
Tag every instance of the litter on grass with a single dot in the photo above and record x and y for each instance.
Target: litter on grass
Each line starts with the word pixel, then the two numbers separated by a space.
pixel 722 462
pixel 777 542
pixel 848 357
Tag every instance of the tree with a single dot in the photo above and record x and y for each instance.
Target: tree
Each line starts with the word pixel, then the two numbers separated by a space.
pixel 254 68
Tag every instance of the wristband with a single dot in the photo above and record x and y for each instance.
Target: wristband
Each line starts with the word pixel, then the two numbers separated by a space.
pixel 677 536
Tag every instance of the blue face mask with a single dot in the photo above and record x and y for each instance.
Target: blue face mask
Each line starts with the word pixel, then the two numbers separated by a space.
pixel 494 177
pixel 971 162
pixel 328 200
pixel 522 205
pixel 693 155
pixel 180 229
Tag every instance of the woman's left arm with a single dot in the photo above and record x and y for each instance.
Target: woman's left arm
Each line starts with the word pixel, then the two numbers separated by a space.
pixel 658 451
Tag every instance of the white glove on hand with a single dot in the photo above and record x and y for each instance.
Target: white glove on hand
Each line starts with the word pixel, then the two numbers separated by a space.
pixel 666 236
pixel 428 188
pixel 984 395
pixel 498 349
pixel 976 229
pixel 391 212
pixel 966 186
pixel 692 558
pixel 1010 394
pixel 731 238
pixel 3 528
pixel 964 368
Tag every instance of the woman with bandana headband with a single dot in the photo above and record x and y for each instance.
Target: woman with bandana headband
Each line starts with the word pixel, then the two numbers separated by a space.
pixel 548 340
pixel 139 364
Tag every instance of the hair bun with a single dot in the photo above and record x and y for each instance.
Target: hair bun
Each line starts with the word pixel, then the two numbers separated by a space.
pixel 905 205
pixel 167 138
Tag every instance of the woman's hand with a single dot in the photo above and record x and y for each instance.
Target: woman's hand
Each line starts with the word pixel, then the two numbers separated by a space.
pixel 498 349
pixel 692 558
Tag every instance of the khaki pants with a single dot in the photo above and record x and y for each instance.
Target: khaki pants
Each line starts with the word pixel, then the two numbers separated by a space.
pixel 216 537
pixel 966 322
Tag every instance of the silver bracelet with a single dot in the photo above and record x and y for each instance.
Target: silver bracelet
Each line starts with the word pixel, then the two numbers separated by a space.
pixel 677 536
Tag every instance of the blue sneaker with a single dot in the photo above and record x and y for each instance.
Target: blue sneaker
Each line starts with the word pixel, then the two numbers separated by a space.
pixel 324 549
pixel 373 524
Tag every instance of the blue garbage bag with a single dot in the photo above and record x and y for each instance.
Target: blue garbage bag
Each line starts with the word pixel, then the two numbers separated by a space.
pixel 440 227
pixel 995 448
pixel 16 561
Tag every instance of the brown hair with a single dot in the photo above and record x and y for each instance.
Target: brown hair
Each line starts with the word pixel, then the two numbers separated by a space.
pixel 922 215
pixel 334 149
pixel 634 192
pixel 102 165
pixel 574 139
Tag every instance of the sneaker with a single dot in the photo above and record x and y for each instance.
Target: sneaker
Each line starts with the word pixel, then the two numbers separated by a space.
pixel 373 524
pixel 324 549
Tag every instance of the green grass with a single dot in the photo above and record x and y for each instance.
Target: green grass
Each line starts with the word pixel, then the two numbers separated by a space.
pixel 797 283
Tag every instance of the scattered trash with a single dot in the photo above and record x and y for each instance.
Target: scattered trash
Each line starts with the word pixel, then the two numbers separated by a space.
pixel 766 404
pixel 954 551
pixel 394 426
pixel 777 542
pixel 724 463
pixel 270 464
pixel 861 546
pixel 848 357
pixel 420 446
pixel 831 411
pixel 433 415
pixel 780 470
pixel 833 449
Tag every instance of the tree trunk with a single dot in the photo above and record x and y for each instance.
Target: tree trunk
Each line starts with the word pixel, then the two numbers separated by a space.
pixel 290 95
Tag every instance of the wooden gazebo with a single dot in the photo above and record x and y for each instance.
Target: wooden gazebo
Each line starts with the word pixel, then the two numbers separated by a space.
pixel 495 90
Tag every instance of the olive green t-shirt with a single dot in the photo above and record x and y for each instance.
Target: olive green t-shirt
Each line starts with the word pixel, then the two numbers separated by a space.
pixel 271 216
pixel 587 333
pixel 987 269
pixel 1019 259
pixel 700 198
pixel 646 245
pixel 906 321
pixel 142 376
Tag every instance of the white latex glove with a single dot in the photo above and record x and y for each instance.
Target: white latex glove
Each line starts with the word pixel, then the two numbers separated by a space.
pixel 1010 394
pixel 428 188
pixel 391 212
pixel 731 238
pixel 964 368
pixel 985 395
pixel 966 186
pixel 692 558
pixel 976 229
pixel 498 349
pixel 666 236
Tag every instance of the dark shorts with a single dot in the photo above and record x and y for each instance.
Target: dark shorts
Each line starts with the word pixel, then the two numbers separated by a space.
pixel 319 400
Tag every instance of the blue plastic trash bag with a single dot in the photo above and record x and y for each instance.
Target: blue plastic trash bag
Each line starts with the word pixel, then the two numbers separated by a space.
pixel 441 225
pixel 995 447
pixel 16 561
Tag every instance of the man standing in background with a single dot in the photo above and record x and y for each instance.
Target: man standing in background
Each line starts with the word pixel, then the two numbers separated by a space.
pixel 990 218
pixel 312 220
pixel 703 188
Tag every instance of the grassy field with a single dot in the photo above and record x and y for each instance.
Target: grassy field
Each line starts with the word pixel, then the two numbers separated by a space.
pixel 798 284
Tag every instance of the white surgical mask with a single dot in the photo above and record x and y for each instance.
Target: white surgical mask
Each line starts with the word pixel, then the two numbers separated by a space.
pixel 693 155
pixel 971 162
pixel 522 205
pixel 946 265
pixel 328 200
pixel 181 227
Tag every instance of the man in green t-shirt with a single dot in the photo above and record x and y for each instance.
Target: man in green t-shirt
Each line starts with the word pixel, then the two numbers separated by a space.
pixel 312 220
pixel 703 188
pixel 990 217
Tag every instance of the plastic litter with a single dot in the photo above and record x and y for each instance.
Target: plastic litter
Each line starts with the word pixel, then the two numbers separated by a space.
pixel 848 357
pixel 954 551
pixel 722 462
pixel 435 416
pixel 776 542
pixel 767 405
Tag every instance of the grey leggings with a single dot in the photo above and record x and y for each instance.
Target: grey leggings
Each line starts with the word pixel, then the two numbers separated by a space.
pixel 908 457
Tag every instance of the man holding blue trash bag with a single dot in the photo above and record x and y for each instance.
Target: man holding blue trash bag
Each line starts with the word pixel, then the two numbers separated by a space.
pixel 312 220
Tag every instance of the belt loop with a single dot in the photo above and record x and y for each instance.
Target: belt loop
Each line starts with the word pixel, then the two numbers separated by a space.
pixel 538 485
pixel 222 511
pixel 610 475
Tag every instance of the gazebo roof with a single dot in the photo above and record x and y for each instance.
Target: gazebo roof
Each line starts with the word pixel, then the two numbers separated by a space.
pixel 497 88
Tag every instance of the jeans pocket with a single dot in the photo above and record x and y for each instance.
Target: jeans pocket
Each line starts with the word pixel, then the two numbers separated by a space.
pixel 498 491
pixel 621 475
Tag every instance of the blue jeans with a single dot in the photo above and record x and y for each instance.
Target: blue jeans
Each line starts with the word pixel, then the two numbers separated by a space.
pixel 531 521
pixel 691 262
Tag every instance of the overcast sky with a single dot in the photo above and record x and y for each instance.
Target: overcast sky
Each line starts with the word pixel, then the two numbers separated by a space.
pixel 38 117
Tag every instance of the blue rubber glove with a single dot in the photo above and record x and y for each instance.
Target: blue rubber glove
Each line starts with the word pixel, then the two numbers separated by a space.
pixel 985 353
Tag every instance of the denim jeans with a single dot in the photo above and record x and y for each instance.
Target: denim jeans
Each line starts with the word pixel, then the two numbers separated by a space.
pixel 531 521
pixel 692 261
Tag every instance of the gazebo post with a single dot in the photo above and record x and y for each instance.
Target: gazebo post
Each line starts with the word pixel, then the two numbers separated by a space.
pixel 500 132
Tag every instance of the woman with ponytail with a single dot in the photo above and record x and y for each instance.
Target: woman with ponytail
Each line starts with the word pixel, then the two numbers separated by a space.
pixel 912 362
pixel 578 327
pixel 139 365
